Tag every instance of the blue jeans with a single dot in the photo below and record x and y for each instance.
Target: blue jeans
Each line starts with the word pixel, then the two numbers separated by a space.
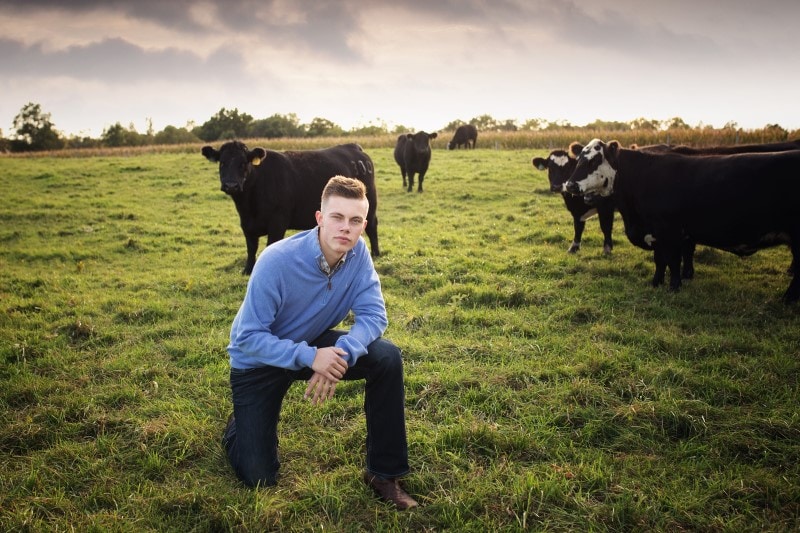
pixel 251 439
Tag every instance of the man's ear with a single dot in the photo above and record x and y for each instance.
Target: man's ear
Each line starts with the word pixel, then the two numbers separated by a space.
pixel 318 216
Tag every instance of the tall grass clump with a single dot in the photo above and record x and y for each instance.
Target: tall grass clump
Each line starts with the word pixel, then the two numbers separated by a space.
pixel 544 391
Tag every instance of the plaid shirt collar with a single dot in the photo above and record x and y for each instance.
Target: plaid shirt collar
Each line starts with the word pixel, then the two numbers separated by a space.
pixel 323 263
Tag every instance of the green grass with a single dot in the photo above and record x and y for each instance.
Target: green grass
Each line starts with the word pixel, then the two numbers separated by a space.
pixel 544 391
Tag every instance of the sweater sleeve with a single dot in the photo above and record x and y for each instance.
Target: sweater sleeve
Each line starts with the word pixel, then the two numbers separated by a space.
pixel 252 337
pixel 370 315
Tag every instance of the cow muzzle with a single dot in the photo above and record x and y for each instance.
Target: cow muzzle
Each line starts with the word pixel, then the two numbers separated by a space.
pixel 573 188
pixel 591 199
pixel 231 188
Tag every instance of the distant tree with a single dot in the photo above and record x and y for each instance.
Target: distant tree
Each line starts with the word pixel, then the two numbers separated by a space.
pixel 76 141
pixel 605 125
pixel 484 123
pixel 776 131
pixel 320 127
pixel 173 135
pixel 533 124
pixel 113 135
pixel 560 124
pixel 644 124
pixel 226 124
pixel 276 126
pixel 453 126
pixel 508 125
pixel 35 131
pixel 371 129
pixel 677 123
pixel 117 135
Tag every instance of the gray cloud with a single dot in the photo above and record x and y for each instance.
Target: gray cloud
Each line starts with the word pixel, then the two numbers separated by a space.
pixel 323 30
pixel 615 31
pixel 172 13
pixel 116 60
pixel 355 58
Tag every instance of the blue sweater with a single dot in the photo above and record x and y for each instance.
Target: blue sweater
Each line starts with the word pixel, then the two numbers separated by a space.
pixel 290 302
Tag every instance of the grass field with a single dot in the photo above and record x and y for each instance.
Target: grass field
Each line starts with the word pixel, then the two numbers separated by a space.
pixel 544 391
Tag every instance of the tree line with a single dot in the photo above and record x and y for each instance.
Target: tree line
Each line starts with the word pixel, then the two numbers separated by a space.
pixel 34 130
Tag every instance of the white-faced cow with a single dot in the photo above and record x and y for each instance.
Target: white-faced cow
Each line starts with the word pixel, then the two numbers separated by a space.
pixel 466 135
pixel 740 203
pixel 413 154
pixel 277 191
pixel 559 165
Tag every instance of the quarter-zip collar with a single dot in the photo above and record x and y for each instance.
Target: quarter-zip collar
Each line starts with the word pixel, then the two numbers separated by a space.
pixel 324 267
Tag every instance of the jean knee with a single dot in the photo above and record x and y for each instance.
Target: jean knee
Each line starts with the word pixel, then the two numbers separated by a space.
pixel 388 355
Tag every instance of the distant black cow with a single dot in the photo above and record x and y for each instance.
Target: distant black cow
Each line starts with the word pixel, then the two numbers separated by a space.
pixel 413 153
pixel 276 191
pixel 740 203
pixel 559 166
pixel 466 136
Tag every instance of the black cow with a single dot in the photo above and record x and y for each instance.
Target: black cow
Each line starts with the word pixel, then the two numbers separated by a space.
pixel 737 148
pixel 466 136
pixel 413 153
pixel 276 191
pixel 635 228
pixel 559 166
pixel 740 203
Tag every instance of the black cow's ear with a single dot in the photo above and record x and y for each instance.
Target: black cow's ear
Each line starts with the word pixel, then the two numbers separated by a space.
pixel 256 155
pixel 539 162
pixel 574 149
pixel 611 151
pixel 433 135
pixel 210 154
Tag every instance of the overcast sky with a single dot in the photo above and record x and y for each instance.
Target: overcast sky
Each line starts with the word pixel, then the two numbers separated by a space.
pixel 416 63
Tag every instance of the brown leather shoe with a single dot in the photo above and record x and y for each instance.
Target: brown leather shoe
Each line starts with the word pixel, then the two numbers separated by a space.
pixel 390 491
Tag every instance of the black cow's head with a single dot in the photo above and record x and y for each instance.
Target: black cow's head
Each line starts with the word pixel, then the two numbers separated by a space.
pixel 559 166
pixel 236 164
pixel 421 140
pixel 595 170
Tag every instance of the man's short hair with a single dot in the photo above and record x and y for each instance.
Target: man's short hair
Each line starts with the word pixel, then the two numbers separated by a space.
pixel 344 187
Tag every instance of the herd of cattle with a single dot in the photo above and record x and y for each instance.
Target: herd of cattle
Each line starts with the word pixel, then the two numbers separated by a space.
pixel 739 198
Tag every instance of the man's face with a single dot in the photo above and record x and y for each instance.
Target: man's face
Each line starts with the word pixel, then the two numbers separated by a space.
pixel 341 222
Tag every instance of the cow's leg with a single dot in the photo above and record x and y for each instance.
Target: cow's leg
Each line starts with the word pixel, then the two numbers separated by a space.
pixel 673 257
pixel 687 253
pixel 420 177
pixel 606 217
pixel 403 171
pixel 792 294
pixel 252 248
pixel 410 181
pixel 578 226
pixel 372 233
pixel 661 266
